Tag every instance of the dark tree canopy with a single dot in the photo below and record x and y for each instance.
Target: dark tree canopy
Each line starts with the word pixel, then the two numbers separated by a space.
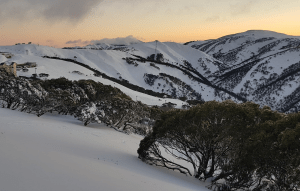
pixel 220 141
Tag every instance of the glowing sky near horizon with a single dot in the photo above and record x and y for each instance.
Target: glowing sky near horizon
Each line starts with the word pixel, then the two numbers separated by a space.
pixel 55 22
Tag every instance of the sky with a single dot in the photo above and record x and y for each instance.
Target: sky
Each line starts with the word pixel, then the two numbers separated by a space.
pixel 66 23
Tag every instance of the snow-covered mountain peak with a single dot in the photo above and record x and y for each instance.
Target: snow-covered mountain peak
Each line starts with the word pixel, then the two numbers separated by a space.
pixel 265 34
pixel 257 34
pixel 261 65
pixel 242 67
pixel 118 41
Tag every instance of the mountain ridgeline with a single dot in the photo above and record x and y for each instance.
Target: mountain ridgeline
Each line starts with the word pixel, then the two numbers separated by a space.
pixel 258 66
pixel 261 66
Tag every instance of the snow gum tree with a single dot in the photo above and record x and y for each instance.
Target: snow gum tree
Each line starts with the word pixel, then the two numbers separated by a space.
pixel 18 93
pixel 121 114
pixel 89 113
pixel 276 153
pixel 87 100
pixel 220 142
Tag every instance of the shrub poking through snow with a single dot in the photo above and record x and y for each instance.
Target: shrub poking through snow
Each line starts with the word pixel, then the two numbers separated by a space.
pixel 89 113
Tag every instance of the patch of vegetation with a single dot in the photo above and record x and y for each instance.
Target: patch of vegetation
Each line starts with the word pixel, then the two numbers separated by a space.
pixel 235 146
pixel 86 100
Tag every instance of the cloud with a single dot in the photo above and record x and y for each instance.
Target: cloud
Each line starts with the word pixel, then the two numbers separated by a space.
pixel 49 10
pixel 78 42
pixel 120 40
pixel 54 11
pixel 242 7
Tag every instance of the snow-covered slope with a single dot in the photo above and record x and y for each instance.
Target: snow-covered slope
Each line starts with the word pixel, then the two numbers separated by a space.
pixel 60 68
pixel 234 49
pixel 55 152
pixel 262 66
pixel 185 74
pixel 259 66
pixel 2 58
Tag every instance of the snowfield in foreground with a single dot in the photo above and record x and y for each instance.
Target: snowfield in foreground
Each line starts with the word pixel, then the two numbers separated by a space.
pixel 55 152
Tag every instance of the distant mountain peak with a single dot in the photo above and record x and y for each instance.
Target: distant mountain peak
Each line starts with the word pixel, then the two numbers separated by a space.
pixel 118 41
pixel 264 34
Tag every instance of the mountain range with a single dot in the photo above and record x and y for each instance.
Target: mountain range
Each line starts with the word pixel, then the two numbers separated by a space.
pixel 258 66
